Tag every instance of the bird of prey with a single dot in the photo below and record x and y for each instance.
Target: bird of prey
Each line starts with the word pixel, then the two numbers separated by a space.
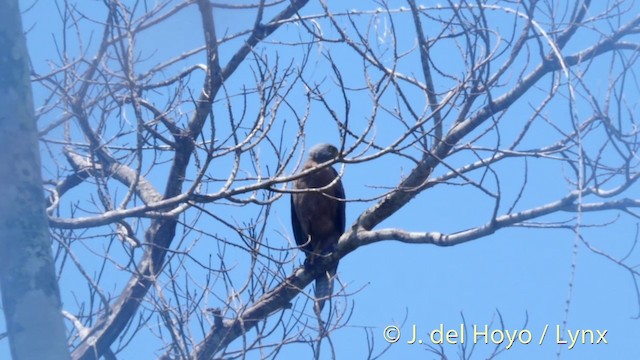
pixel 318 217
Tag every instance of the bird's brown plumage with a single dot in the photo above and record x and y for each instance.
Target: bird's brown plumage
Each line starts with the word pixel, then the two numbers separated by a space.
pixel 318 217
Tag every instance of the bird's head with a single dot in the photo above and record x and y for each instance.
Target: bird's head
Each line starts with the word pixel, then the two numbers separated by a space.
pixel 323 152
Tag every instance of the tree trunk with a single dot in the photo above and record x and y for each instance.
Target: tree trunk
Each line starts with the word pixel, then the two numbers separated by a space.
pixel 30 295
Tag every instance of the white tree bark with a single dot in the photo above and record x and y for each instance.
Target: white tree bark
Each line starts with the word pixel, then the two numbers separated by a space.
pixel 30 295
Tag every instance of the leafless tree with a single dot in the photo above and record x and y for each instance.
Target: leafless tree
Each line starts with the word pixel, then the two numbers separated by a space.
pixel 171 130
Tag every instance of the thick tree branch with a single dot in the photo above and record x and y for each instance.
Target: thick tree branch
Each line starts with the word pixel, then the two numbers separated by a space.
pixel 162 231
pixel 417 179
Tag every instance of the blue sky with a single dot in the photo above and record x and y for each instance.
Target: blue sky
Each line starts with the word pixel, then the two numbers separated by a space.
pixel 523 274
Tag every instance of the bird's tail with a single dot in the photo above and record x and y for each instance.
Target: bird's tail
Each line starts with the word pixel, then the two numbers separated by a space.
pixel 324 287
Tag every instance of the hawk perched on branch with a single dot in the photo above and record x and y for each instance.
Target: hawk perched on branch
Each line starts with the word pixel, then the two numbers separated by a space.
pixel 318 217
